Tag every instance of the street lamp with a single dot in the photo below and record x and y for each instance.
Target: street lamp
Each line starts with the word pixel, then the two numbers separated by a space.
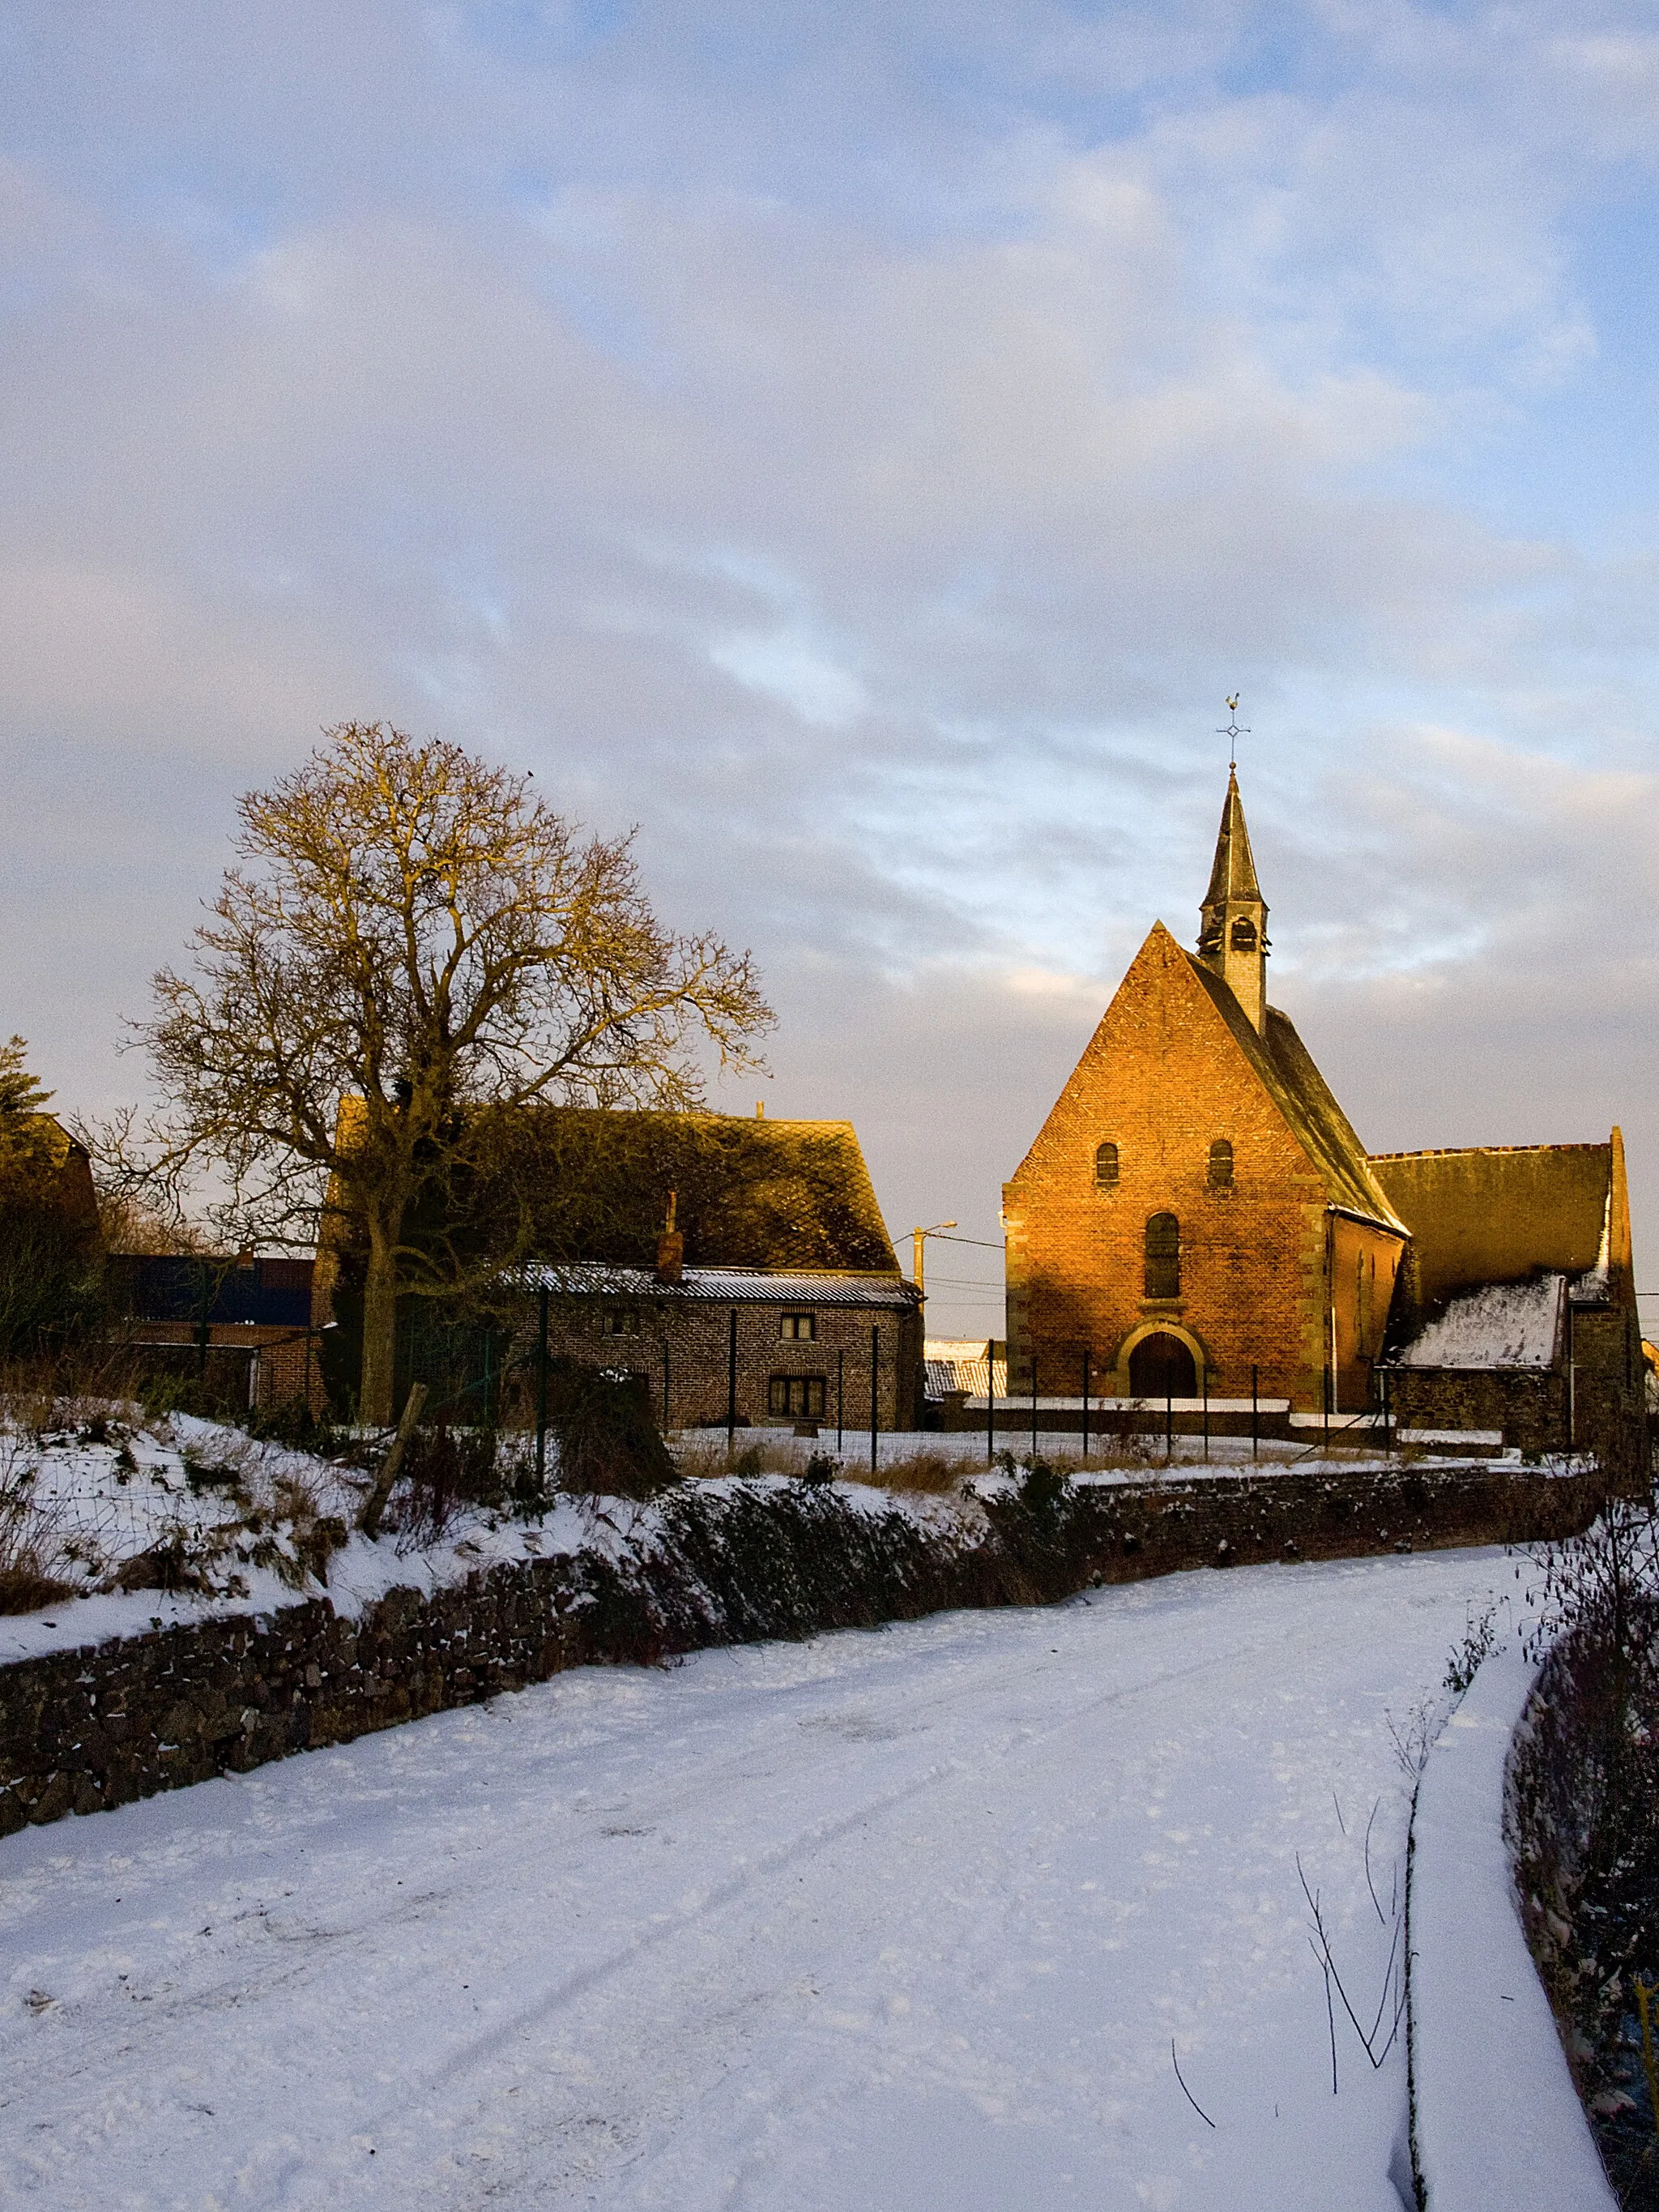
pixel 920 1237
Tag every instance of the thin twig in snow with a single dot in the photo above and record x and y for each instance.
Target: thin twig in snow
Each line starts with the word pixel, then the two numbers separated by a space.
pixel 1185 2091
pixel 1381 1919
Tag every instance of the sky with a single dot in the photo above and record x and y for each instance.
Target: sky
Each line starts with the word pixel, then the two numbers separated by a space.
pixel 861 447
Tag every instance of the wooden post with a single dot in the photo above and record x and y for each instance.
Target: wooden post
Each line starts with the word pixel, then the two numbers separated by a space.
pixel 1206 1412
pixel 1088 1358
pixel 840 1397
pixel 990 1401
pixel 1169 1422
pixel 1034 1399
pixel 374 1505
pixel 664 1386
pixel 1255 1418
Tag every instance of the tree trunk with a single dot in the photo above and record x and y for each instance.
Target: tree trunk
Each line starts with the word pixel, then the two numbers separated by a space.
pixel 380 1329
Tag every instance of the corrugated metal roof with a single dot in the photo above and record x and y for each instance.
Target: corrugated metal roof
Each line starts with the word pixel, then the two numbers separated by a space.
pixel 950 1373
pixel 729 1286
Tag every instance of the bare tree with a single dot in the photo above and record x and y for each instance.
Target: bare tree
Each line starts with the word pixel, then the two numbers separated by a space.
pixel 410 944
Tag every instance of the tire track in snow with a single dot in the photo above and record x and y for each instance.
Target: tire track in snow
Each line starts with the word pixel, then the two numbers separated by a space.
pixel 808 1842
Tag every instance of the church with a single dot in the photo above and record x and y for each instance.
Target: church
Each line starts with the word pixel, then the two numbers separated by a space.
pixel 1197 1219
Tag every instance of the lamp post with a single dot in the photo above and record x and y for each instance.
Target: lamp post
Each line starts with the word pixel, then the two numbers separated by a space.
pixel 919 1239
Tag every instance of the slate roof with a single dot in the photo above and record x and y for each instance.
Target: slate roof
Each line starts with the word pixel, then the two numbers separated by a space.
pixel 1498 1325
pixel 778 1195
pixel 1232 874
pixel 1288 1074
pixel 1501 1213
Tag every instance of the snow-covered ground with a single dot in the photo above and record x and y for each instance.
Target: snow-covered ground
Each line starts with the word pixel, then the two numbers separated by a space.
pixel 893 1920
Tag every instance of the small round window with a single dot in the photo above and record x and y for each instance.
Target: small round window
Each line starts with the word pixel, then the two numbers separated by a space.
pixel 1221 1165
pixel 1106 1166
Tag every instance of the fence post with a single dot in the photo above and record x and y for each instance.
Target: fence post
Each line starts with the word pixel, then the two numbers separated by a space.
pixel 875 1388
pixel 664 1386
pixel 1088 1358
pixel 1034 1399
pixel 731 1383
pixel 840 1397
pixel 1255 1419
pixel 1206 1412
pixel 1169 1422
pixel 541 1390
pixel 991 1402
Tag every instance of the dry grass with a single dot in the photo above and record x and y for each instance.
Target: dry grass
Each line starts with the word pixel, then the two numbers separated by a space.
pixel 702 1454
pixel 925 1472
pixel 26 1534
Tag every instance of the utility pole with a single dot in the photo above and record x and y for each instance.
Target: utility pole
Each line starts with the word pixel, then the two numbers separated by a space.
pixel 919 1239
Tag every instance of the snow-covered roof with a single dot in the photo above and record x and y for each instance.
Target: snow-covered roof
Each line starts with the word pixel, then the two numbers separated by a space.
pixel 1515 1325
pixel 726 1287
pixel 953 1362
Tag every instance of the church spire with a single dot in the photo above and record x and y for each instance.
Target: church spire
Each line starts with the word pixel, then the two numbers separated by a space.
pixel 1233 933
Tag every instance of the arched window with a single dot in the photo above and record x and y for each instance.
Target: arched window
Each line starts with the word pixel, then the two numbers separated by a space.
pixel 1243 934
pixel 1221 1165
pixel 1106 1165
pixel 1163 1257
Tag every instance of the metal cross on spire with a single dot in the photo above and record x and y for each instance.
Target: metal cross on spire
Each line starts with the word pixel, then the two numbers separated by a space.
pixel 1233 731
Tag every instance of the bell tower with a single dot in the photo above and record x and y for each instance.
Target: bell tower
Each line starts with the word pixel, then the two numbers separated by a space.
pixel 1233 928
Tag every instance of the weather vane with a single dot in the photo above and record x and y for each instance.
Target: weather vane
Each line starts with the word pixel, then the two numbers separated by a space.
pixel 1233 731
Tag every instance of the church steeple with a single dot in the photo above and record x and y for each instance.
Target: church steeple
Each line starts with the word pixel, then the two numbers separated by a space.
pixel 1233 931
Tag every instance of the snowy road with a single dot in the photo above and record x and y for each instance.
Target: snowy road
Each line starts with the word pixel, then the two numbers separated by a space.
pixel 897 1920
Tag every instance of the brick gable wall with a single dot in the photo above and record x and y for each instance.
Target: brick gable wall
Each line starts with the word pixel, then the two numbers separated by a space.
pixel 1162 1078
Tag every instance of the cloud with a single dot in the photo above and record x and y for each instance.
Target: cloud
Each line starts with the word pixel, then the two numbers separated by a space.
pixel 854 448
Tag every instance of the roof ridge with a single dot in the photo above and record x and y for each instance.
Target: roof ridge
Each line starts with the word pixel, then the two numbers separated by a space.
pixel 1454 1151
pixel 1309 1107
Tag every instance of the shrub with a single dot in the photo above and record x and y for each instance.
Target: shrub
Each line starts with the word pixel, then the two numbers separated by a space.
pixel 445 1468
pixel 608 1443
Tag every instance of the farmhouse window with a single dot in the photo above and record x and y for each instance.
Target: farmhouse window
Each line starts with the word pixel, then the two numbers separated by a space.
pixel 803 1326
pixel 1221 1165
pixel 622 1321
pixel 1106 1166
pixel 800 1395
pixel 1163 1257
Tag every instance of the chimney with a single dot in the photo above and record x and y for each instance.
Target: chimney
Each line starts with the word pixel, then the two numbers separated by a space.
pixel 670 1248
pixel 759 1110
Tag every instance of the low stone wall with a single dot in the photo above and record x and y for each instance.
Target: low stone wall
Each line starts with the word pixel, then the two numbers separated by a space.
pixel 83 1730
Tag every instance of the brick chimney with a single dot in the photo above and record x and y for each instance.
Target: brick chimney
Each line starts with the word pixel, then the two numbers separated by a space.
pixel 670 1248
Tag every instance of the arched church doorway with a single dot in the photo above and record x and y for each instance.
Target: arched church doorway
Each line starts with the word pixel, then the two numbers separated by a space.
pixel 1162 1366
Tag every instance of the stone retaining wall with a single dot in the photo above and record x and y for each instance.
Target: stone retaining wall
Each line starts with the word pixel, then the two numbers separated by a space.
pixel 84 1730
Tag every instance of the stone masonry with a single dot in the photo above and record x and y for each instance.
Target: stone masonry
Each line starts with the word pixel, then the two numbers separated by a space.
pixel 89 1730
